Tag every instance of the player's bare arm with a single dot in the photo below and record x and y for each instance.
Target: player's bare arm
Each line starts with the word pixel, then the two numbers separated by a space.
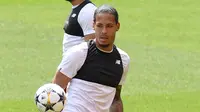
pixel 61 79
pixel 89 36
pixel 117 105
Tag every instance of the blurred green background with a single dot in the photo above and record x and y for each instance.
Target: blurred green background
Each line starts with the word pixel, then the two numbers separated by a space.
pixel 162 38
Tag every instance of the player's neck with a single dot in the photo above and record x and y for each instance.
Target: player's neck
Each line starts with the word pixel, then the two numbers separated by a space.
pixel 77 2
pixel 108 49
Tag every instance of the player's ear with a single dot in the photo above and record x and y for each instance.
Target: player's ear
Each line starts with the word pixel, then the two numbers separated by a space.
pixel 118 26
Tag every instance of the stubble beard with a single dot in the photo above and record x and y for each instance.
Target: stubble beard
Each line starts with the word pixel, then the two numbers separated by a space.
pixel 104 46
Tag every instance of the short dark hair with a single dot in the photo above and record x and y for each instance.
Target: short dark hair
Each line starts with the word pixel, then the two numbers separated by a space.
pixel 107 9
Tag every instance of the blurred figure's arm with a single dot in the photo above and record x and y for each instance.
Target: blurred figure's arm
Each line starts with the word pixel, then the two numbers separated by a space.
pixel 89 36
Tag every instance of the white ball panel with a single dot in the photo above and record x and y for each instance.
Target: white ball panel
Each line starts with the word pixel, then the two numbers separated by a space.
pixel 50 111
pixel 40 107
pixel 54 97
pixel 58 106
pixel 58 89
pixel 43 98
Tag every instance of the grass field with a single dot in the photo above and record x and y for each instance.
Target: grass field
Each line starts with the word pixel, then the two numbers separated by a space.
pixel 162 38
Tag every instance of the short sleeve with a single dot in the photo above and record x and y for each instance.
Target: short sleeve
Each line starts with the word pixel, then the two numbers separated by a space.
pixel 126 61
pixel 85 19
pixel 73 60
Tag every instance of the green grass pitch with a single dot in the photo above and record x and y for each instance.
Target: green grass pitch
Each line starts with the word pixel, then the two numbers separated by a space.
pixel 162 38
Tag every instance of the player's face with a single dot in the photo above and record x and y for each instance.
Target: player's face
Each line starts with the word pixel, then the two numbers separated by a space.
pixel 105 29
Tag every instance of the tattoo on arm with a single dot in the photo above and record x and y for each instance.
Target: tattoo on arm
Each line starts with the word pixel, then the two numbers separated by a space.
pixel 117 105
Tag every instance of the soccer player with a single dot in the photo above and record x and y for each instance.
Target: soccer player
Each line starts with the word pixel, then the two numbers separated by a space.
pixel 78 26
pixel 96 69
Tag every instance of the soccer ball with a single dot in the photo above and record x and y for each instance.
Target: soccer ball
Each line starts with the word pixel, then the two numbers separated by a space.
pixel 50 98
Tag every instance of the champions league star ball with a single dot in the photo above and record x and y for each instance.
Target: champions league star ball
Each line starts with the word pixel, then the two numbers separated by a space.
pixel 50 98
